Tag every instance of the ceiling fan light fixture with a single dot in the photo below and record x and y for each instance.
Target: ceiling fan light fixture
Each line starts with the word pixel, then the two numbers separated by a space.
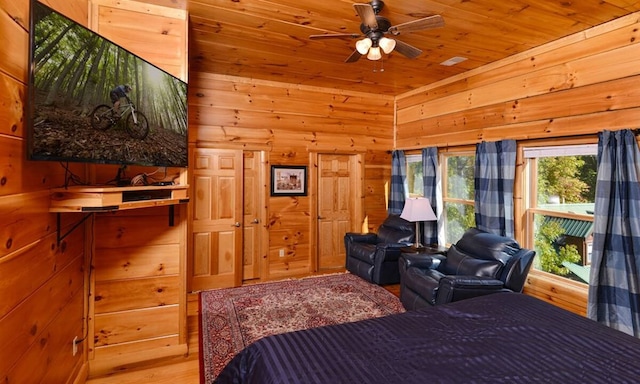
pixel 363 45
pixel 387 45
pixel 374 53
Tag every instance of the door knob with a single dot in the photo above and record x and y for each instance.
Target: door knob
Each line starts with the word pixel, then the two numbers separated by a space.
pixel 255 221
pixel 237 224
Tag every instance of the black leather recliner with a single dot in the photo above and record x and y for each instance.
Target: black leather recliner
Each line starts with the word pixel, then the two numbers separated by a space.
pixel 374 256
pixel 480 263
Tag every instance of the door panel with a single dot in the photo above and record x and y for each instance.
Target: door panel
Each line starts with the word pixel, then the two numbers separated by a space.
pixel 337 185
pixel 216 258
pixel 253 215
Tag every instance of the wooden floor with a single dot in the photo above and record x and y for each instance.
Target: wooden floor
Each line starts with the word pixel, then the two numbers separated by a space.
pixel 177 371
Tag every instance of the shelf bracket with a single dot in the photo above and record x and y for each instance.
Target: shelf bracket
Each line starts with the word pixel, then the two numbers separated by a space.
pixel 76 225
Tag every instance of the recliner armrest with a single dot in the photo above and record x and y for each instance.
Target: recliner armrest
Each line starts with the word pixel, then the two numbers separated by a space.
pixel 457 281
pixel 454 288
pixel 422 261
pixel 370 238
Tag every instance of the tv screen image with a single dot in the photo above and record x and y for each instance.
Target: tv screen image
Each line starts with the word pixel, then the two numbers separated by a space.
pixel 91 100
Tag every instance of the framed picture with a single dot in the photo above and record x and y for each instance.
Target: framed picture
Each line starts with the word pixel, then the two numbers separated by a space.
pixel 288 180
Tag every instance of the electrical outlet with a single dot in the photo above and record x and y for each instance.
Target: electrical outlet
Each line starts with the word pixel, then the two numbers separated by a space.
pixel 75 345
pixel 281 252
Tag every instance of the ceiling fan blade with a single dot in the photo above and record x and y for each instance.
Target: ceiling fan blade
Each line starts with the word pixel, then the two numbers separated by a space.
pixel 355 56
pixel 335 36
pixel 367 15
pixel 408 50
pixel 435 21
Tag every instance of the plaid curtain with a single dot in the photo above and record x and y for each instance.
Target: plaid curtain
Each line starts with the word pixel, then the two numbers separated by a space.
pixel 433 232
pixel 494 178
pixel 398 182
pixel 614 288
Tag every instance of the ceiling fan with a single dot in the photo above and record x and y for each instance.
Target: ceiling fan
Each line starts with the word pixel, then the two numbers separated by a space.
pixel 375 29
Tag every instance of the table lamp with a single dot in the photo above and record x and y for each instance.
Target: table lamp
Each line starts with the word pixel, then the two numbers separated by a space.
pixel 417 210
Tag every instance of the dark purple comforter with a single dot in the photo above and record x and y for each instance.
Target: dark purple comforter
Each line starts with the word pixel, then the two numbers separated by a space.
pixel 499 338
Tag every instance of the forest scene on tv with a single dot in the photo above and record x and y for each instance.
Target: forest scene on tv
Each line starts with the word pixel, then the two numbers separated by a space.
pixel 78 80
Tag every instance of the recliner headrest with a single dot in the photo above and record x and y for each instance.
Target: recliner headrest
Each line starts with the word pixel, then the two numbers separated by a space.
pixel 488 246
pixel 396 230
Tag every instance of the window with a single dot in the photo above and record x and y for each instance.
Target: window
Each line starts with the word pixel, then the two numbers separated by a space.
pixel 560 201
pixel 414 175
pixel 458 194
pixel 458 190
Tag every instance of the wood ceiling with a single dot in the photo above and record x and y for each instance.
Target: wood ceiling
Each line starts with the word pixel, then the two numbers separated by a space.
pixel 269 39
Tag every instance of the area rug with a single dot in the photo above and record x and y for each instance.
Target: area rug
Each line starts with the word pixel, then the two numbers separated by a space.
pixel 235 317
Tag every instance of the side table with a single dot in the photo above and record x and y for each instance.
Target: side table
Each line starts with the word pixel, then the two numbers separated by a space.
pixel 425 250
pixel 426 256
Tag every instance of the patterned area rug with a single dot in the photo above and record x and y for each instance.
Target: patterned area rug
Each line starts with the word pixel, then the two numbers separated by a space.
pixel 235 317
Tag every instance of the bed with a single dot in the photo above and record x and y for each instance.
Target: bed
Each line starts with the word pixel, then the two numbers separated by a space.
pixel 498 338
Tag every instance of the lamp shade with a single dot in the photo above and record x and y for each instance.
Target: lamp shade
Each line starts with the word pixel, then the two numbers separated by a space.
pixel 418 209
pixel 374 53
pixel 362 46
pixel 387 45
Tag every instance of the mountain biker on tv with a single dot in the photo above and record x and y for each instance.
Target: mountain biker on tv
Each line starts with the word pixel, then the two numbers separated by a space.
pixel 118 93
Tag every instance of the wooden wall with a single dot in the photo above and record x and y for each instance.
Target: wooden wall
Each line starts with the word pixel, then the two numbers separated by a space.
pixel 578 85
pixel 139 261
pixel 42 283
pixel 136 269
pixel 290 122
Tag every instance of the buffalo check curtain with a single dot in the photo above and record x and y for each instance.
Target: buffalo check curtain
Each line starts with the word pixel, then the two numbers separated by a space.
pixel 614 288
pixel 495 170
pixel 433 232
pixel 398 182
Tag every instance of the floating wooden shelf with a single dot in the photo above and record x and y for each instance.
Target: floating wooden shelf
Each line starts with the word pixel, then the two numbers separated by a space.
pixel 101 199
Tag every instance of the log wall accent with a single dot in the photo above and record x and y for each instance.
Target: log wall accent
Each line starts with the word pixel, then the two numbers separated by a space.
pixel 290 122
pixel 44 285
pixel 139 264
pixel 579 85
pixel 42 282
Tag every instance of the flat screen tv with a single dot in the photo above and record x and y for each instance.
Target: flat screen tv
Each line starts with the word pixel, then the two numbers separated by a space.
pixel 75 83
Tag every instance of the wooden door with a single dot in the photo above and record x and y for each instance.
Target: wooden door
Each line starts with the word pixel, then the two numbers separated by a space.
pixel 254 214
pixel 337 185
pixel 216 239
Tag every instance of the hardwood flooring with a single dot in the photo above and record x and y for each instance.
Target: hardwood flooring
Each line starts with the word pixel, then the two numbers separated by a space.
pixel 177 371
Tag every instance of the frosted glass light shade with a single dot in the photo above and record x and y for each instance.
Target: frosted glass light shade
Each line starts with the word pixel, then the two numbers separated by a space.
pixel 374 53
pixel 362 46
pixel 387 45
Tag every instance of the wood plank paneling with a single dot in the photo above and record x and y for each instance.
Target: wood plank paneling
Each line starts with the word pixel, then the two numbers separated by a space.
pixel 293 120
pixel 112 296
pixel 28 328
pixel 562 68
pixel 137 262
pixel 42 290
pixel 134 325
pixel 156 33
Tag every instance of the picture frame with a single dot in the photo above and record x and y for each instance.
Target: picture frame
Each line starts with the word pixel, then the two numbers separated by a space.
pixel 288 180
